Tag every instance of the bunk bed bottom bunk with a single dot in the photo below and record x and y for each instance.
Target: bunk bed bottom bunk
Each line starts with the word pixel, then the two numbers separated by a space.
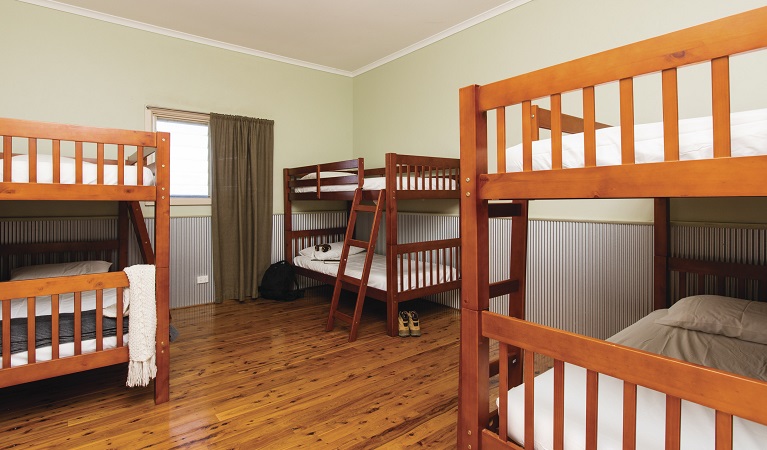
pixel 697 422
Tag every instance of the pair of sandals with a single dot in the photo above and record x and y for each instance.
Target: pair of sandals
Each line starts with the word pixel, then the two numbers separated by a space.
pixel 409 324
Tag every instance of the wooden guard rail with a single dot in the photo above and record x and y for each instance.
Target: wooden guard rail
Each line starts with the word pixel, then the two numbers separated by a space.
pixel 426 265
pixel 55 287
pixel 664 55
pixel 638 368
pixel 131 148
pixel 409 172
pixel 311 176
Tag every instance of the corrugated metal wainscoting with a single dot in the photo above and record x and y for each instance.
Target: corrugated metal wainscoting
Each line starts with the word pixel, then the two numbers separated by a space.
pixel 576 270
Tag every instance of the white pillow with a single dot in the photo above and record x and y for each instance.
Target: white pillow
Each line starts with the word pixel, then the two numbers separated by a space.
pixel 333 254
pixel 733 317
pixel 313 175
pixel 59 270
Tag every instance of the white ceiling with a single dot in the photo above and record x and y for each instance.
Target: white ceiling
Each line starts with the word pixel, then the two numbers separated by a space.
pixel 339 36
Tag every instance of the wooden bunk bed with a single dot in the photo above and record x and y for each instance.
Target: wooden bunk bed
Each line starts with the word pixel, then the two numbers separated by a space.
pixel 720 408
pixel 47 161
pixel 404 177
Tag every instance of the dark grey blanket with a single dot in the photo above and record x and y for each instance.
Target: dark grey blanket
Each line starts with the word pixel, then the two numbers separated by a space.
pixel 66 330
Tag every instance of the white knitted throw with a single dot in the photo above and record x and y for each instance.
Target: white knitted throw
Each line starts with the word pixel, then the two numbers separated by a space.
pixel 143 324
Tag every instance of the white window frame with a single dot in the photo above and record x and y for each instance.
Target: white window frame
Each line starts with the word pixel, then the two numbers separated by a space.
pixel 155 112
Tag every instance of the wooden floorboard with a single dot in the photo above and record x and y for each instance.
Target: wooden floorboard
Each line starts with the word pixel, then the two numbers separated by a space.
pixel 261 374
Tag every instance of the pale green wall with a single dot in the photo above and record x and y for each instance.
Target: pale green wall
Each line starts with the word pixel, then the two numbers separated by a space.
pixel 61 67
pixel 66 68
pixel 410 105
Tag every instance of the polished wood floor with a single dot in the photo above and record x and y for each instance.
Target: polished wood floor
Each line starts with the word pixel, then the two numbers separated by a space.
pixel 261 374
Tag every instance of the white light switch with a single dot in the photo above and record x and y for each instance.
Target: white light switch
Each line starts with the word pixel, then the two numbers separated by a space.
pixel 202 279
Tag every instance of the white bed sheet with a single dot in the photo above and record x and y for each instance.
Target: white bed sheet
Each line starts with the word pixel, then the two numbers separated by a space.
pixel 748 137
pixel 378 183
pixel 66 303
pixel 429 274
pixel 68 349
pixel 20 172
pixel 697 432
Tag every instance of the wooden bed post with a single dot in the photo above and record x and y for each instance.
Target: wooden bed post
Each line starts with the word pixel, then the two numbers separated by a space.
pixel 518 271
pixel 287 217
pixel 392 291
pixel 162 263
pixel 473 394
pixel 662 242
pixel 122 235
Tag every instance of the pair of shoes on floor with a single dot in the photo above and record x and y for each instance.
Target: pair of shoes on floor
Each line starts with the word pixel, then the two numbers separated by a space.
pixel 409 324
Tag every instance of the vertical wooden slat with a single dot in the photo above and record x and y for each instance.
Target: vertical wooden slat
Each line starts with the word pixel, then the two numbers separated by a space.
pixel 589 127
pixel 78 163
pixel 723 431
pixel 501 139
pixel 120 164
pixel 662 250
pixel 720 83
pixel 99 320
pixel 55 326
pixel 32 159
pixel 529 368
pixel 100 163
pixel 592 403
pixel 556 131
pixel 120 317
pixel 527 139
pixel 670 115
pixel 78 323
pixel 7 156
pixel 503 388
pixel 629 415
pixel 673 422
pixel 140 166
pixel 627 120
pixel 31 354
pixel 56 157
pixel 682 284
pixel 559 405
pixel 721 285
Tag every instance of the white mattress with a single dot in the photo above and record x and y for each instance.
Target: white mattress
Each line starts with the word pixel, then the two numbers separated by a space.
pixel 378 183
pixel 428 274
pixel 66 305
pixel 697 432
pixel 748 137
pixel 68 349
pixel 20 172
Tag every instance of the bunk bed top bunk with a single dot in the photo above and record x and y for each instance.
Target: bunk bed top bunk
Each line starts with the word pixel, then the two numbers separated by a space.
pixel 415 269
pixel 731 413
pixel 56 162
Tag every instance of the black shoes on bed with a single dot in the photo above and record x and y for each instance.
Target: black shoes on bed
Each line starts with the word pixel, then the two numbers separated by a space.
pixel 409 324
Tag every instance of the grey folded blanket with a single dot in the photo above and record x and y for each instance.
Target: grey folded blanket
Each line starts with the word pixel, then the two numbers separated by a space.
pixel 66 330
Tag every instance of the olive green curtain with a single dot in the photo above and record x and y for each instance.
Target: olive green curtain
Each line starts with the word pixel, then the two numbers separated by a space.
pixel 242 155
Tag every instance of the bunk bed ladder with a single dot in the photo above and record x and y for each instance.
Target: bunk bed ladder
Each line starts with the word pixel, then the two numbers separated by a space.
pixel 362 282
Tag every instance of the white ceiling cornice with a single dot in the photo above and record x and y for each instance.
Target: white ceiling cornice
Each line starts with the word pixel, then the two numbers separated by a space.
pixel 442 35
pixel 253 52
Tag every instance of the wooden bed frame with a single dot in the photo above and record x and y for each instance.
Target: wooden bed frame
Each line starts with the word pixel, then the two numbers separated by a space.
pixel 398 172
pixel 131 148
pixel 730 395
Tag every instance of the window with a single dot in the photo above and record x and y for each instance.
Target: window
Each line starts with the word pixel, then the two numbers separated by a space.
pixel 189 153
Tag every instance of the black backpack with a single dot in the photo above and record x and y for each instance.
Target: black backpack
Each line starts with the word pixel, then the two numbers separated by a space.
pixel 279 283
